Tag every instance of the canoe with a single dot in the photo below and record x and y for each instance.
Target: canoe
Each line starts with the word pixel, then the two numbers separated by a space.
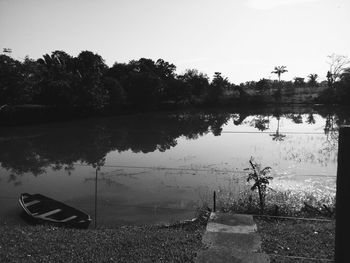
pixel 42 209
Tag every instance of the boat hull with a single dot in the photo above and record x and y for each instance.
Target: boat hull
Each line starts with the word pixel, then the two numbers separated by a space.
pixel 43 209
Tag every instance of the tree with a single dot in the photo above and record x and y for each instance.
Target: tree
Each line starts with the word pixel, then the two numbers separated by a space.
pixel 32 74
pixel 197 82
pixel 330 79
pixel 172 89
pixel 176 92
pixel 115 91
pixel 217 87
pixel 143 65
pixel 343 87
pixel 279 70
pixel 337 63
pixel 262 84
pixel 11 84
pixel 143 86
pixel 164 69
pixel 312 79
pixel 90 68
pixel 58 61
pixel 57 80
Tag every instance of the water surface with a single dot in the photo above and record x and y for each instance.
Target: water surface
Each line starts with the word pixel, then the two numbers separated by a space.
pixel 158 167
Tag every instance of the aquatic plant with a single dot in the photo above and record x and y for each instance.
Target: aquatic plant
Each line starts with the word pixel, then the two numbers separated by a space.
pixel 261 179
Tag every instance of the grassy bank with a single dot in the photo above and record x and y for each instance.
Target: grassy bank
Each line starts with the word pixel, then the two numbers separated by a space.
pixel 311 239
pixel 177 243
pixel 297 240
pixel 284 240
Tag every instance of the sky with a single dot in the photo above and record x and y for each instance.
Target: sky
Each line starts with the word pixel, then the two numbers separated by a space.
pixel 242 39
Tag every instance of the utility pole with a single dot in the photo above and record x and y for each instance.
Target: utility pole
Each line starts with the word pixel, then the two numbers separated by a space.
pixel 97 169
pixel 342 226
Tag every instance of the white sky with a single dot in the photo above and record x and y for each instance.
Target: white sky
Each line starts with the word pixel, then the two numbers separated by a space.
pixel 243 39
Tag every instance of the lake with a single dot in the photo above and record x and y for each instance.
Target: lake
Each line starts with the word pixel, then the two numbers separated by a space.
pixel 158 167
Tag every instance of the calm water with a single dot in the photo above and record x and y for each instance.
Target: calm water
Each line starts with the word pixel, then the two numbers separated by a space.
pixel 158 167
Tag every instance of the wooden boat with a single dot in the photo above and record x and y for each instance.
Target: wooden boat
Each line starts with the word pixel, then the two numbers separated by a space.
pixel 44 209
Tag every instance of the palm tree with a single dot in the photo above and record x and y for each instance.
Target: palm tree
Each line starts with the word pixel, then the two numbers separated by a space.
pixel 279 70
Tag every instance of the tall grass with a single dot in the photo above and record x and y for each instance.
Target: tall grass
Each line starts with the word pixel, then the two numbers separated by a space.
pixel 281 202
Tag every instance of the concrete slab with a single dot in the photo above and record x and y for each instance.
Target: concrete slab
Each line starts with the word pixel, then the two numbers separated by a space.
pixel 242 242
pixel 231 238
pixel 231 219
pixel 239 229
pixel 222 255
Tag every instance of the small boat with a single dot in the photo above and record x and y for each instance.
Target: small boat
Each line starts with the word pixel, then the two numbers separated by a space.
pixel 44 209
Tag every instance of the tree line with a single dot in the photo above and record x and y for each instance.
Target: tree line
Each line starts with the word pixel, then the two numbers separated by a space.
pixel 85 82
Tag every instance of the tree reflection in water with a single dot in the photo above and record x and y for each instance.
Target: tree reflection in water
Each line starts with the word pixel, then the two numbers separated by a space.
pixel 61 145
pixel 278 136
pixel 58 146
pixel 261 122
pixel 310 119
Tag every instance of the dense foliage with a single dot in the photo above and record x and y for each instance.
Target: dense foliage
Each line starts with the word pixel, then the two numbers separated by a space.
pixel 86 83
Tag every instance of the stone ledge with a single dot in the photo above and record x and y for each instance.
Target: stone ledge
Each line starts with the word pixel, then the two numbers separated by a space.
pixel 240 229
pixel 243 242
pixel 231 219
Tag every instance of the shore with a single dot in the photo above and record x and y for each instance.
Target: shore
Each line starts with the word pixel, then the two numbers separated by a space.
pixel 44 243
pixel 289 240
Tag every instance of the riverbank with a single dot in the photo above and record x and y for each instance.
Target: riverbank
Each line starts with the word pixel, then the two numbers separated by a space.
pixel 285 240
pixel 177 243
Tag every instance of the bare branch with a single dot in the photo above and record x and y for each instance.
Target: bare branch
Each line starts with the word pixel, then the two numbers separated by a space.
pixel 337 63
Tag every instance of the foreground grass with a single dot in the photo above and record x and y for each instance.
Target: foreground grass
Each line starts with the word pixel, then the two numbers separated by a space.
pixel 291 240
pixel 287 240
pixel 124 244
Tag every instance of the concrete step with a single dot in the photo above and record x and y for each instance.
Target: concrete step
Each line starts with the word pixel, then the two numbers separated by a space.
pixel 231 238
